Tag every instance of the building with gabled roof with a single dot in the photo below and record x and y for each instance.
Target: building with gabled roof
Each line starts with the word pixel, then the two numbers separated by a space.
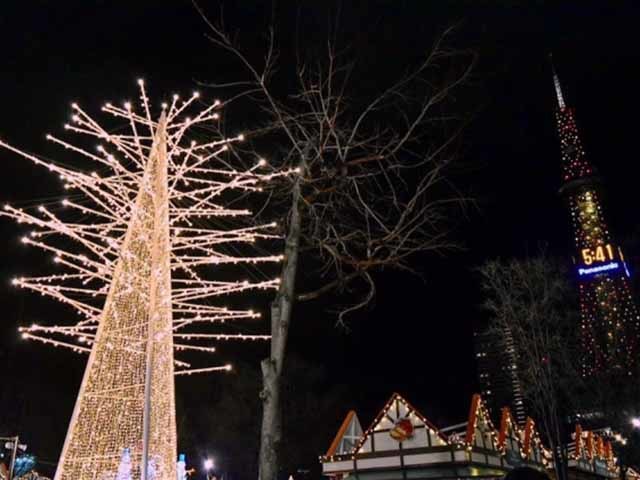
pixel 348 436
pixel 509 440
pixel 590 453
pixel 402 444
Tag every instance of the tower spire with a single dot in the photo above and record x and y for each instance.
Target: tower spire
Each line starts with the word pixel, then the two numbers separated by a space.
pixel 575 165
pixel 556 83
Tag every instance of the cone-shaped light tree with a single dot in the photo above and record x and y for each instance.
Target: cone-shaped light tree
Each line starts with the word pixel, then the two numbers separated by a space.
pixel 144 241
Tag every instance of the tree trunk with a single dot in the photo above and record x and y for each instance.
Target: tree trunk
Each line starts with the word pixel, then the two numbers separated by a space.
pixel 623 472
pixel 271 431
pixel 560 463
pixel 557 443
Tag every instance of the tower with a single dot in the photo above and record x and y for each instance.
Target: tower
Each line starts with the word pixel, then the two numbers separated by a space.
pixel 609 320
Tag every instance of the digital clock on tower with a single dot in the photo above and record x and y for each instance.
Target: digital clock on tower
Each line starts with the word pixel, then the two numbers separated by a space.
pixel 600 254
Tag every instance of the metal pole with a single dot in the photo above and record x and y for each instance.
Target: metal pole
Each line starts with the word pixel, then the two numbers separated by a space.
pixel 146 420
pixel 160 151
pixel 14 452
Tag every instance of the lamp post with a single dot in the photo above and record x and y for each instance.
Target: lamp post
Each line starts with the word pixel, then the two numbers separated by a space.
pixel 208 465
pixel 14 444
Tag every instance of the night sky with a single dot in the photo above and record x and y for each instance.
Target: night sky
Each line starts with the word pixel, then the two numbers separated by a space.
pixel 417 339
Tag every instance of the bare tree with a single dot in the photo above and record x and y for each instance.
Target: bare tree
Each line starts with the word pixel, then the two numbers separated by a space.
pixel 531 304
pixel 371 188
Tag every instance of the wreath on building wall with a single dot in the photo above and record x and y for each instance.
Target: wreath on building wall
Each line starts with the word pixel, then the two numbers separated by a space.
pixel 402 430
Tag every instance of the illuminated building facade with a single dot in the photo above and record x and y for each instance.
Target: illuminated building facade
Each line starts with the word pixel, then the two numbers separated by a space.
pixel 498 378
pixel 401 444
pixel 609 317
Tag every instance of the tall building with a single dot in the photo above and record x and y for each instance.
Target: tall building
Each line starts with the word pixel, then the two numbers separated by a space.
pixel 609 317
pixel 500 385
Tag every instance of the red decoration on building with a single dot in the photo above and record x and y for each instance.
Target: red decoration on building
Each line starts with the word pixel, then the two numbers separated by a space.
pixel 402 430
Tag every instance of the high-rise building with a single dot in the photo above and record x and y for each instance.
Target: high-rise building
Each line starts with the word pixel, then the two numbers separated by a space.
pixel 609 317
pixel 500 385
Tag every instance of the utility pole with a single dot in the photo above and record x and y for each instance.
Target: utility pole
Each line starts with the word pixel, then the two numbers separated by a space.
pixel 14 450
pixel 15 444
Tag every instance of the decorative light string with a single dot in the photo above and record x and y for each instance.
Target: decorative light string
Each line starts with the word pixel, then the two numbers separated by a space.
pixel 144 247
pixel 197 181
pixel 588 447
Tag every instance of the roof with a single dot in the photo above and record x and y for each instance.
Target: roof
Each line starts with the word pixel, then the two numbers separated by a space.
pixel 341 432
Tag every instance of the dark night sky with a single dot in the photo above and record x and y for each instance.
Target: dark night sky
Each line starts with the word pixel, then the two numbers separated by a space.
pixel 418 338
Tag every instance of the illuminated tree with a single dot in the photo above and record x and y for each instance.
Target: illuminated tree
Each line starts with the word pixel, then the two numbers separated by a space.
pixel 145 240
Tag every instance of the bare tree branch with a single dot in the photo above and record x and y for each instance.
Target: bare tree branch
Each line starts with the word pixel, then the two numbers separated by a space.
pixel 530 306
pixel 372 188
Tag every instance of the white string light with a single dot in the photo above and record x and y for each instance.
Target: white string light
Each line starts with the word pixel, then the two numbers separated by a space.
pixel 145 239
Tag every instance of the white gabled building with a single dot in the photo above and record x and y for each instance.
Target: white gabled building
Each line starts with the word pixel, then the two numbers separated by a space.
pixel 402 444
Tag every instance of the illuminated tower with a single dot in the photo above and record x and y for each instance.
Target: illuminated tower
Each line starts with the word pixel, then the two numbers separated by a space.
pixel 609 317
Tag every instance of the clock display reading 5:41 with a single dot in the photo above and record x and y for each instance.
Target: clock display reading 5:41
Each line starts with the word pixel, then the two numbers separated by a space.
pixel 601 253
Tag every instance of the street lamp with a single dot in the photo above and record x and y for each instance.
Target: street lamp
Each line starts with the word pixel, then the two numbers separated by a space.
pixel 635 421
pixel 208 465
pixel 13 443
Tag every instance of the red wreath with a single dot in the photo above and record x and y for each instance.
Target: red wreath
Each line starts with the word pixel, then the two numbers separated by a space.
pixel 402 430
